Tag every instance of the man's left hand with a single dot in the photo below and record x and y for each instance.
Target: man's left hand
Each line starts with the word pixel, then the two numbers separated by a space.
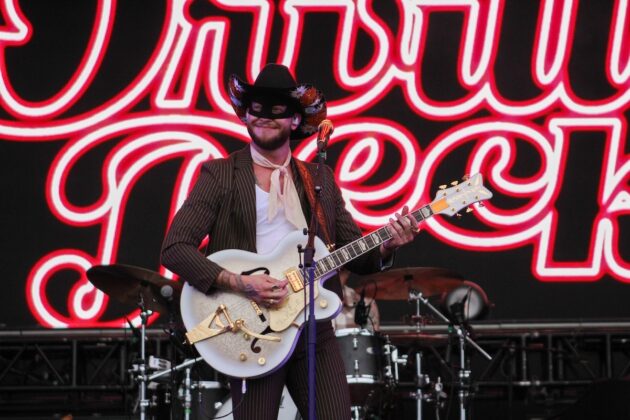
pixel 403 229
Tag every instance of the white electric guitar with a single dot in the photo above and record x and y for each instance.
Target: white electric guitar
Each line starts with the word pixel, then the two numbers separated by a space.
pixel 242 339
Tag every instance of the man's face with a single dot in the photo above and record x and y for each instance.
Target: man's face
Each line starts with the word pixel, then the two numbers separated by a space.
pixel 268 124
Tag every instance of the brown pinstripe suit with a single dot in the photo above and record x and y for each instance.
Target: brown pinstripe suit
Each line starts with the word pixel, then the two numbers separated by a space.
pixel 222 205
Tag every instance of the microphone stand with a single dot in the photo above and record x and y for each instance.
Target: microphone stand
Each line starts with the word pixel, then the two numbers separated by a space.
pixel 309 274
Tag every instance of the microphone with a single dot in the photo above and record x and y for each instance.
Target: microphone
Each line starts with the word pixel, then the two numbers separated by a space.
pixel 361 311
pixel 324 131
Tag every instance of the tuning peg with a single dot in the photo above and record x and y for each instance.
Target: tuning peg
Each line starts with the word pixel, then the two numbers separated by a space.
pixel 454 183
pixel 459 216
pixel 469 209
pixel 442 187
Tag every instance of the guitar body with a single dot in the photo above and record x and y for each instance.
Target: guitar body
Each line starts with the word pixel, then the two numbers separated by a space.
pixel 241 339
pixel 238 353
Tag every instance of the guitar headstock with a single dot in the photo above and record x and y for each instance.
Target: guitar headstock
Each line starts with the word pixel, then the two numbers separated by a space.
pixel 460 195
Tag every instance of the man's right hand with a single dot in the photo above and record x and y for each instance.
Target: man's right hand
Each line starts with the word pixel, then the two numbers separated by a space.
pixel 261 288
pixel 265 289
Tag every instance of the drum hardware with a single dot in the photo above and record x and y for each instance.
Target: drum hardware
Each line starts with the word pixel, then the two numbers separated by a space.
pixel 157 363
pixel 140 369
pixel 437 393
pixel 206 385
pixel 393 361
pixel 459 328
pixel 150 292
pixel 184 393
pixel 421 381
pixel 187 394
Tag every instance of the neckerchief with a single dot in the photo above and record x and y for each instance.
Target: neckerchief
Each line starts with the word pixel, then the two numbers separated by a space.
pixel 284 196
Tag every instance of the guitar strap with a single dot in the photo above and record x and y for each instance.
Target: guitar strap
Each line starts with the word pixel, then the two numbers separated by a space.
pixel 309 186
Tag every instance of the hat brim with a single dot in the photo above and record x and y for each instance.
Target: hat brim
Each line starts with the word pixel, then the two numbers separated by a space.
pixel 310 102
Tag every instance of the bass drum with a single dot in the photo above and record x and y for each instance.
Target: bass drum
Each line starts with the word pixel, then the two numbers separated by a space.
pixel 288 409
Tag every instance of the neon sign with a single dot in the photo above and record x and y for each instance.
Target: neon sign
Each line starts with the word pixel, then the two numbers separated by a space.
pixel 188 61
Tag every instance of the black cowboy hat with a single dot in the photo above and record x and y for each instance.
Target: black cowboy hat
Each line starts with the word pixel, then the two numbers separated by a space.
pixel 275 80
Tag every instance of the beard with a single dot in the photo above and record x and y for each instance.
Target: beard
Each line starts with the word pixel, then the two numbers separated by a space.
pixel 269 139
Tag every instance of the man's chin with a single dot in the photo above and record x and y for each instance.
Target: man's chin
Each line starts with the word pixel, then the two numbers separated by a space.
pixel 270 142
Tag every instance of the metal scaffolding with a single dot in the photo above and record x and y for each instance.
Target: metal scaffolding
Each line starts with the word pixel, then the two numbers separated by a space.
pixel 544 366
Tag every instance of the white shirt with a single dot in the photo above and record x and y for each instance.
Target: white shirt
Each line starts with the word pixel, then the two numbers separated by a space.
pixel 269 233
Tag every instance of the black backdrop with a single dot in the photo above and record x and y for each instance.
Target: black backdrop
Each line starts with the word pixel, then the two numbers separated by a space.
pixel 42 63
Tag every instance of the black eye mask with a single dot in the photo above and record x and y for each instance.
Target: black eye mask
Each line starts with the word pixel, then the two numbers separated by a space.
pixel 266 110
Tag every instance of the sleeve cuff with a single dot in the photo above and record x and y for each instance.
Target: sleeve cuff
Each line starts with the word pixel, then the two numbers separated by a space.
pixel 387 263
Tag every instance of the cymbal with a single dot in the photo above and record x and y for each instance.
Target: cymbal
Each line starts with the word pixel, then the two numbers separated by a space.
pixel 395 284
pixel 127 284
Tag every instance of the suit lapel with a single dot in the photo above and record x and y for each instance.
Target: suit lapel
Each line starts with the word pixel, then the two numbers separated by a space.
pixel 246 195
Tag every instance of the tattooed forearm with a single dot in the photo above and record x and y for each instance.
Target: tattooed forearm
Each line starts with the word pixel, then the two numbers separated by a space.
pixel 248 290
pixel 239 282
pixel 233 281
pixel 229 281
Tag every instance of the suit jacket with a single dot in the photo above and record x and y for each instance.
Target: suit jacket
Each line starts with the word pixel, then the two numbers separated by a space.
pixel 222 204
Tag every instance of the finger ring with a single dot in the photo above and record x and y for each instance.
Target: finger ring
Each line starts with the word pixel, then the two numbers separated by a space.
pixel 272 301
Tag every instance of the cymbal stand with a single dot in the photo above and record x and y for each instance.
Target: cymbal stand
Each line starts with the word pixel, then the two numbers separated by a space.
pixel 187 396
pixel 417 317
pixel 421 379
pixel 141 367
pixel 464 337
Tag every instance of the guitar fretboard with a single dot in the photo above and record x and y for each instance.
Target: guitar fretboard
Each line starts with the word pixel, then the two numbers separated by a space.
pixel 355 249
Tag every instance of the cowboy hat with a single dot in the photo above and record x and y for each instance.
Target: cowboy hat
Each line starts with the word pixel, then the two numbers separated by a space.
pixel 275 80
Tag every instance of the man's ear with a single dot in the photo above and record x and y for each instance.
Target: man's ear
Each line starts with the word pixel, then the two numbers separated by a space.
pixel 295 121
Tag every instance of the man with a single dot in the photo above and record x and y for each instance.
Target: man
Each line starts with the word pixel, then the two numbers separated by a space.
pixel 250 201
pixel 351 301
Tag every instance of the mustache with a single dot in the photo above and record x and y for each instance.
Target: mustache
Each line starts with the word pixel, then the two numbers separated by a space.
pixel 266 123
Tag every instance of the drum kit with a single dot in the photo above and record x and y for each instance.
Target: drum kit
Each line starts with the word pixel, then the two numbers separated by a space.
pixel 383 368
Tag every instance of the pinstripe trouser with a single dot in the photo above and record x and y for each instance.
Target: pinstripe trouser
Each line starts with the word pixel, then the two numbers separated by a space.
pixel 262 398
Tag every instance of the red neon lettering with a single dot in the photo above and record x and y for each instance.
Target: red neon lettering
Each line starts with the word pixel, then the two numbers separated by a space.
pixel 189 61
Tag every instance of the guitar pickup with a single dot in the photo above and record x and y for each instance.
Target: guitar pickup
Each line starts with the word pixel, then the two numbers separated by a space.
pixel 295 279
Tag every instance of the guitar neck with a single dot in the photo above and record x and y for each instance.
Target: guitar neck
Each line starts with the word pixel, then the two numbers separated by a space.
pixel 335 260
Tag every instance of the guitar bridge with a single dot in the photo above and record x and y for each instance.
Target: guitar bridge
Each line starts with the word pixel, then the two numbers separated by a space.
pixel 204 329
